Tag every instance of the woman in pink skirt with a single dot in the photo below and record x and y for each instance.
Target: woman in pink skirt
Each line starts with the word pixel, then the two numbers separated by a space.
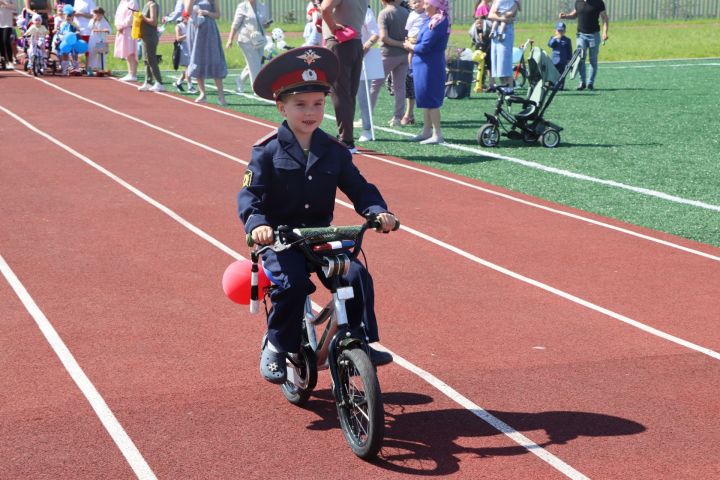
pixel 125 46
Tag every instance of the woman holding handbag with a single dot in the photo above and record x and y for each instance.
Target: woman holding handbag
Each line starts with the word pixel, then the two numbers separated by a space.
pixel 249 25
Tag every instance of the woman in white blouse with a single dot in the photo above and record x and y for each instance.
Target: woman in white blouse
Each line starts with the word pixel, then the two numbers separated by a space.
pixel 248 26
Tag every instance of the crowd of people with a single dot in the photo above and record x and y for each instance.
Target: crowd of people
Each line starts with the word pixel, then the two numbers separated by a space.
pixel 412 39
pixel 494 33
pixel 76 34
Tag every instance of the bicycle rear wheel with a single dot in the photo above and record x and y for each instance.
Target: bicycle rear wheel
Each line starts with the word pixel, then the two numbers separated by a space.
pixel 359 403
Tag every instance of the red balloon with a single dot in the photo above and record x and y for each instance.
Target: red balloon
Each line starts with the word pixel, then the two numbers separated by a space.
pixel 236 281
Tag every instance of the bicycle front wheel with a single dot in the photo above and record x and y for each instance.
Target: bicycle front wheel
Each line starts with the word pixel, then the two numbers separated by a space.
pixel 359 403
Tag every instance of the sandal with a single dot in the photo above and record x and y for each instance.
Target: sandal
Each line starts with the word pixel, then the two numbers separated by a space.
pixel 272 365
pixel 407 121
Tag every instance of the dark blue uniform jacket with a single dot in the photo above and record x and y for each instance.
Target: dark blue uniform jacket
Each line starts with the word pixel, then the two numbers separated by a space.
pixel 561 50
pixel 283 187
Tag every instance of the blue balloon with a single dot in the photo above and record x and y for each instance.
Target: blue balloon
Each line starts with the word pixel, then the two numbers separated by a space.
pixel 64 48
pixel 80 46
pixel 70 38
pixel 68 9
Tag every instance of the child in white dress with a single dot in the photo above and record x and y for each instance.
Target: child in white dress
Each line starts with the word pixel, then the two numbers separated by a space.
pixel 99 30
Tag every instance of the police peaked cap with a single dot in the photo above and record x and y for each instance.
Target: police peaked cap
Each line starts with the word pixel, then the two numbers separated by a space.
pixel 300 70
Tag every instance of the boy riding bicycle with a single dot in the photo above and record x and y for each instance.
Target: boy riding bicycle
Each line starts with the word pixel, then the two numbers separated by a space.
pixel 291 180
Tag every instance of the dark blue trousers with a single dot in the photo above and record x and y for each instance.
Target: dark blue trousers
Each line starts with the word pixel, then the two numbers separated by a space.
pixel 288 270
pixel 560 66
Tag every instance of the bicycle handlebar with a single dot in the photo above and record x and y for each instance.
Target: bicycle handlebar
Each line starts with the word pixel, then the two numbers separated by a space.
pixel 286 237
pixel 303 238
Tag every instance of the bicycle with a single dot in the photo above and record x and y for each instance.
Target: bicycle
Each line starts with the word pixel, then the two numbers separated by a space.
pixel 520 71
pixel 355 387
pixel 37 61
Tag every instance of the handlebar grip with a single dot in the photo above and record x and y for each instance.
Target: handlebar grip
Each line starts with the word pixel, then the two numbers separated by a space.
pixel 376 224
pixel 249 240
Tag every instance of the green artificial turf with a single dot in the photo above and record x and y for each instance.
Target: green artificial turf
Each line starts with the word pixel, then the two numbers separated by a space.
pixel 649 125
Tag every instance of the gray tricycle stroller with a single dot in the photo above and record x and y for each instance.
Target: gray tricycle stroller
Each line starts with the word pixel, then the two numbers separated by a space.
pixel 529 124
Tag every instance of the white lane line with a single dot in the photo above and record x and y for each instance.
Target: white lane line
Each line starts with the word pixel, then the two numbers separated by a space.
pixel 538 166
pixel 660 60
pixel 96 401
pixel 470 185
pixel 549 209
pixel 671 65
pixel 505 429
pixel 572 298
pixel 489 418
pixel 486 263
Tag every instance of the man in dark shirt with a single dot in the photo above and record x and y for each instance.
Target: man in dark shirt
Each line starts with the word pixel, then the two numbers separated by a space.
pixel 588 13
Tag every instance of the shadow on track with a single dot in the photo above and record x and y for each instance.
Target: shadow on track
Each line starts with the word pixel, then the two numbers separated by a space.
pixel 426 442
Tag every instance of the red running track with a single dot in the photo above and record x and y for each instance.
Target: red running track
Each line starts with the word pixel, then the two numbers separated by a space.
pixel 135 296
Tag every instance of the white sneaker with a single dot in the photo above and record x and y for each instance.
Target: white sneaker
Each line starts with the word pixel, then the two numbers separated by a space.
pixel 434 140
pixel 145 87
pixel 128 78
pixel 394 122
pixel 158 87
pixel 366 136
pixel 191 89
pixel 239 87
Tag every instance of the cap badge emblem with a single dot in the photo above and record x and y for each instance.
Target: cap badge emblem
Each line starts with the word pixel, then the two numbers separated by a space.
pixel 309 57
pixel 309 75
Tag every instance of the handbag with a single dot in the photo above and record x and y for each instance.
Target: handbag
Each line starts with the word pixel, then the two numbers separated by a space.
pixel 257 39
pixel 176 55
pixel 346 33
pixel 136 24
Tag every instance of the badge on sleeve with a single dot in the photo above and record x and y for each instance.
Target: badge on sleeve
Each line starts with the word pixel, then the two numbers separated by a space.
pixel 247 178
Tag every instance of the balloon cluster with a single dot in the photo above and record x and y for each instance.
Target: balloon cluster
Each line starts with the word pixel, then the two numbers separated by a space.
pixel 71 44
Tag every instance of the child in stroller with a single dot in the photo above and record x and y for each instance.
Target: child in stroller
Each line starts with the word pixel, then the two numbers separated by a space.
pixel 529 124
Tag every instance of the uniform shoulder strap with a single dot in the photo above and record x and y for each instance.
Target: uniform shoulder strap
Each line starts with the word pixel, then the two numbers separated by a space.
pixel 266 139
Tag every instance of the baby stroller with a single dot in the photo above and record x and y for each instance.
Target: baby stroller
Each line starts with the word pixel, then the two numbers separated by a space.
pixel 529 124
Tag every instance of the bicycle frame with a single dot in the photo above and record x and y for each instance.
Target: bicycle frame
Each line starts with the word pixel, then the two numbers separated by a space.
pixel 336 337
